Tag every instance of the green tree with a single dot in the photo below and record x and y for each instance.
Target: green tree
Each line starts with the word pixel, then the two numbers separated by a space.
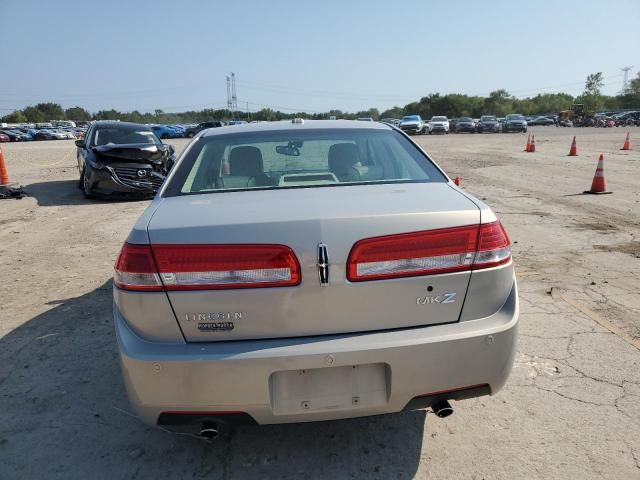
pixel 592 96
pixel 51 111
pixel 77 113
pixel 34 115
pixel 15 117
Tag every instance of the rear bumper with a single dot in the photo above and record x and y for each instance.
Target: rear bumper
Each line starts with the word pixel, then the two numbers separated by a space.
pixel 458 360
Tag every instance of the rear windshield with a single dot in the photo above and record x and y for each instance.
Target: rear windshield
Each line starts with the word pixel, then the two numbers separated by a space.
pixel 299 159
pixel 439 119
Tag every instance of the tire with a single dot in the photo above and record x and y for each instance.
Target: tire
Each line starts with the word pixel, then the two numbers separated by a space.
pixel 524 130
pixel 87 189
pixel 191 135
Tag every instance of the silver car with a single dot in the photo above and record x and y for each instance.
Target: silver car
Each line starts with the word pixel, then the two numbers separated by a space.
pixel 307 271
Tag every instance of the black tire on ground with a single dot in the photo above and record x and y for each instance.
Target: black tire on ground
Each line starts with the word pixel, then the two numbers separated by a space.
pixel 87 189
pixel 191 135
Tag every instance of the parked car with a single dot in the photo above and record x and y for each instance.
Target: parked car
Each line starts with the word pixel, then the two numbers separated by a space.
pixel 514 123
pixel 231 304
pixel 43 134
pixel 193 131
pixel 122 159
pixel 541 121
pixel 627 119
pixel 164 131
pixel 58 135
pixel 465 124
pixel 16 135
pixel 488 123
pixel 365 119
pixel 4 138
pixel 412 124
pixel 438 124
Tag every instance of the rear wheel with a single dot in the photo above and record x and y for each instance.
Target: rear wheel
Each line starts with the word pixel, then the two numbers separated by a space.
pixel 191 134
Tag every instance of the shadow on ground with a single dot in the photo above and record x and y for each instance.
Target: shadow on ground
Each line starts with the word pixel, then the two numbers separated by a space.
pixel 65 192
pixel 64 414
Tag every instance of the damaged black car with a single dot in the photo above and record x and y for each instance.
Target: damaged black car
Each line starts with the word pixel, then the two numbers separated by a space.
pixel 118 159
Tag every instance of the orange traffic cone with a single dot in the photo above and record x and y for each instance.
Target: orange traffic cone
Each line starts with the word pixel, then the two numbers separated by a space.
pixel 599 186
pixel 527 147
pixel 573 151
pixel 457 181
pixel 532 147
pixel 4 175
pixel 627 143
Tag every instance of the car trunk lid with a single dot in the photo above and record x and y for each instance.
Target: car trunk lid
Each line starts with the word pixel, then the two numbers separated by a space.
pixel 304 220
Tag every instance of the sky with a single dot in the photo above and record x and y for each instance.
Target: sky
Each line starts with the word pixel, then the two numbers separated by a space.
pixel 305 56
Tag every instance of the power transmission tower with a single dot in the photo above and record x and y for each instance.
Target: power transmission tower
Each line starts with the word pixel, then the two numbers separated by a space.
pixel 229 104
pixel 234 98
pixel 625 79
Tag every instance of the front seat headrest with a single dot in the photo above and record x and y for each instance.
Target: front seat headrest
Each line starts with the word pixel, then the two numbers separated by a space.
pixel 245 161
pixel 342 157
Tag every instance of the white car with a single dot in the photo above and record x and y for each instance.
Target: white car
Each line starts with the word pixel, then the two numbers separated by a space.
pixel 58 135
pixel 439 125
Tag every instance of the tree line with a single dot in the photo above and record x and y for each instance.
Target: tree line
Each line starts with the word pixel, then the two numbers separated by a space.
pixel 499 102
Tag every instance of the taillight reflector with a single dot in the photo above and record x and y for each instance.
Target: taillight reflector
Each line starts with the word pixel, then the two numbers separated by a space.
pixel 135 269
pixel 429 252
pixel 203 267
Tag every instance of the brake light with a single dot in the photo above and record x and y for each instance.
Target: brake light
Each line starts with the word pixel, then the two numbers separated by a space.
pixel 209 267
pixel 430 252
pixel 136 270
pixel 443 250
pixel 494 246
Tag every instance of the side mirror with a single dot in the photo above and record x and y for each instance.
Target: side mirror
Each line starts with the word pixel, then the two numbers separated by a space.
pixel 80 143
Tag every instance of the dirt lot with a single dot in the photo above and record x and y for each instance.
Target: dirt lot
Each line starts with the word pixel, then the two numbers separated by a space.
pixel 571 408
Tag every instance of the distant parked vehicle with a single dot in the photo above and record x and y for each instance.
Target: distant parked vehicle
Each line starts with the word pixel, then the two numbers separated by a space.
pixel 193 131
pixel 488 123
pixel 438 124
pixel 4 138
pixel 237 122
pixel 122 159
pixel 16 135
pixel 389 121
pixel 164 131
pixel 43 134
pixel 627 119
pixel 514 123
pixel 412 124
pixel 465 124
pixel 365 119
pixel 541 121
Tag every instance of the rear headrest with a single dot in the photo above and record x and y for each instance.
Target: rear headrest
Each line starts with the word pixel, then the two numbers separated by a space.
pixel 245 161
pixel 343 156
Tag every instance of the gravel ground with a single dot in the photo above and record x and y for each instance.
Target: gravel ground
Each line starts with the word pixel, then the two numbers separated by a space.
pixel 571 408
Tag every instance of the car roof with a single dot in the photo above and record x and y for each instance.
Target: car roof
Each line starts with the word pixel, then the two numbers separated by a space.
pixel 289 125
pixel 127 125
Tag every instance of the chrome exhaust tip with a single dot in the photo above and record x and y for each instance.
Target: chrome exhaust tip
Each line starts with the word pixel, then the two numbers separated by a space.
pixel 209 431
pixel 442 409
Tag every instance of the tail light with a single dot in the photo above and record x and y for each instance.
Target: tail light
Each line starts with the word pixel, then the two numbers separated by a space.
pixel 205 267
pixel 136 270
pixel 430 252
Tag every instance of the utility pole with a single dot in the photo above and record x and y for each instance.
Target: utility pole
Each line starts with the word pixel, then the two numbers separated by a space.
pixel 234 98
pixel 625 79
pixel 229 104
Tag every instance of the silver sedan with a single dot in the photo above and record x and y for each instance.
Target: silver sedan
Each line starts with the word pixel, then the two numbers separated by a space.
pixel 311 270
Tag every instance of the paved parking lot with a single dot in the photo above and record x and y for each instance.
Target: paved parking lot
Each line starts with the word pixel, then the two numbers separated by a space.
pixel 571 408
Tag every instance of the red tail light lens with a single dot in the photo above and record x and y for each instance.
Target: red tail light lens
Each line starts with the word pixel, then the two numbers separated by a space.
pixel 494 246
pixel 429 252
pixel 136 270
pixel 207 267
pixel 412 254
